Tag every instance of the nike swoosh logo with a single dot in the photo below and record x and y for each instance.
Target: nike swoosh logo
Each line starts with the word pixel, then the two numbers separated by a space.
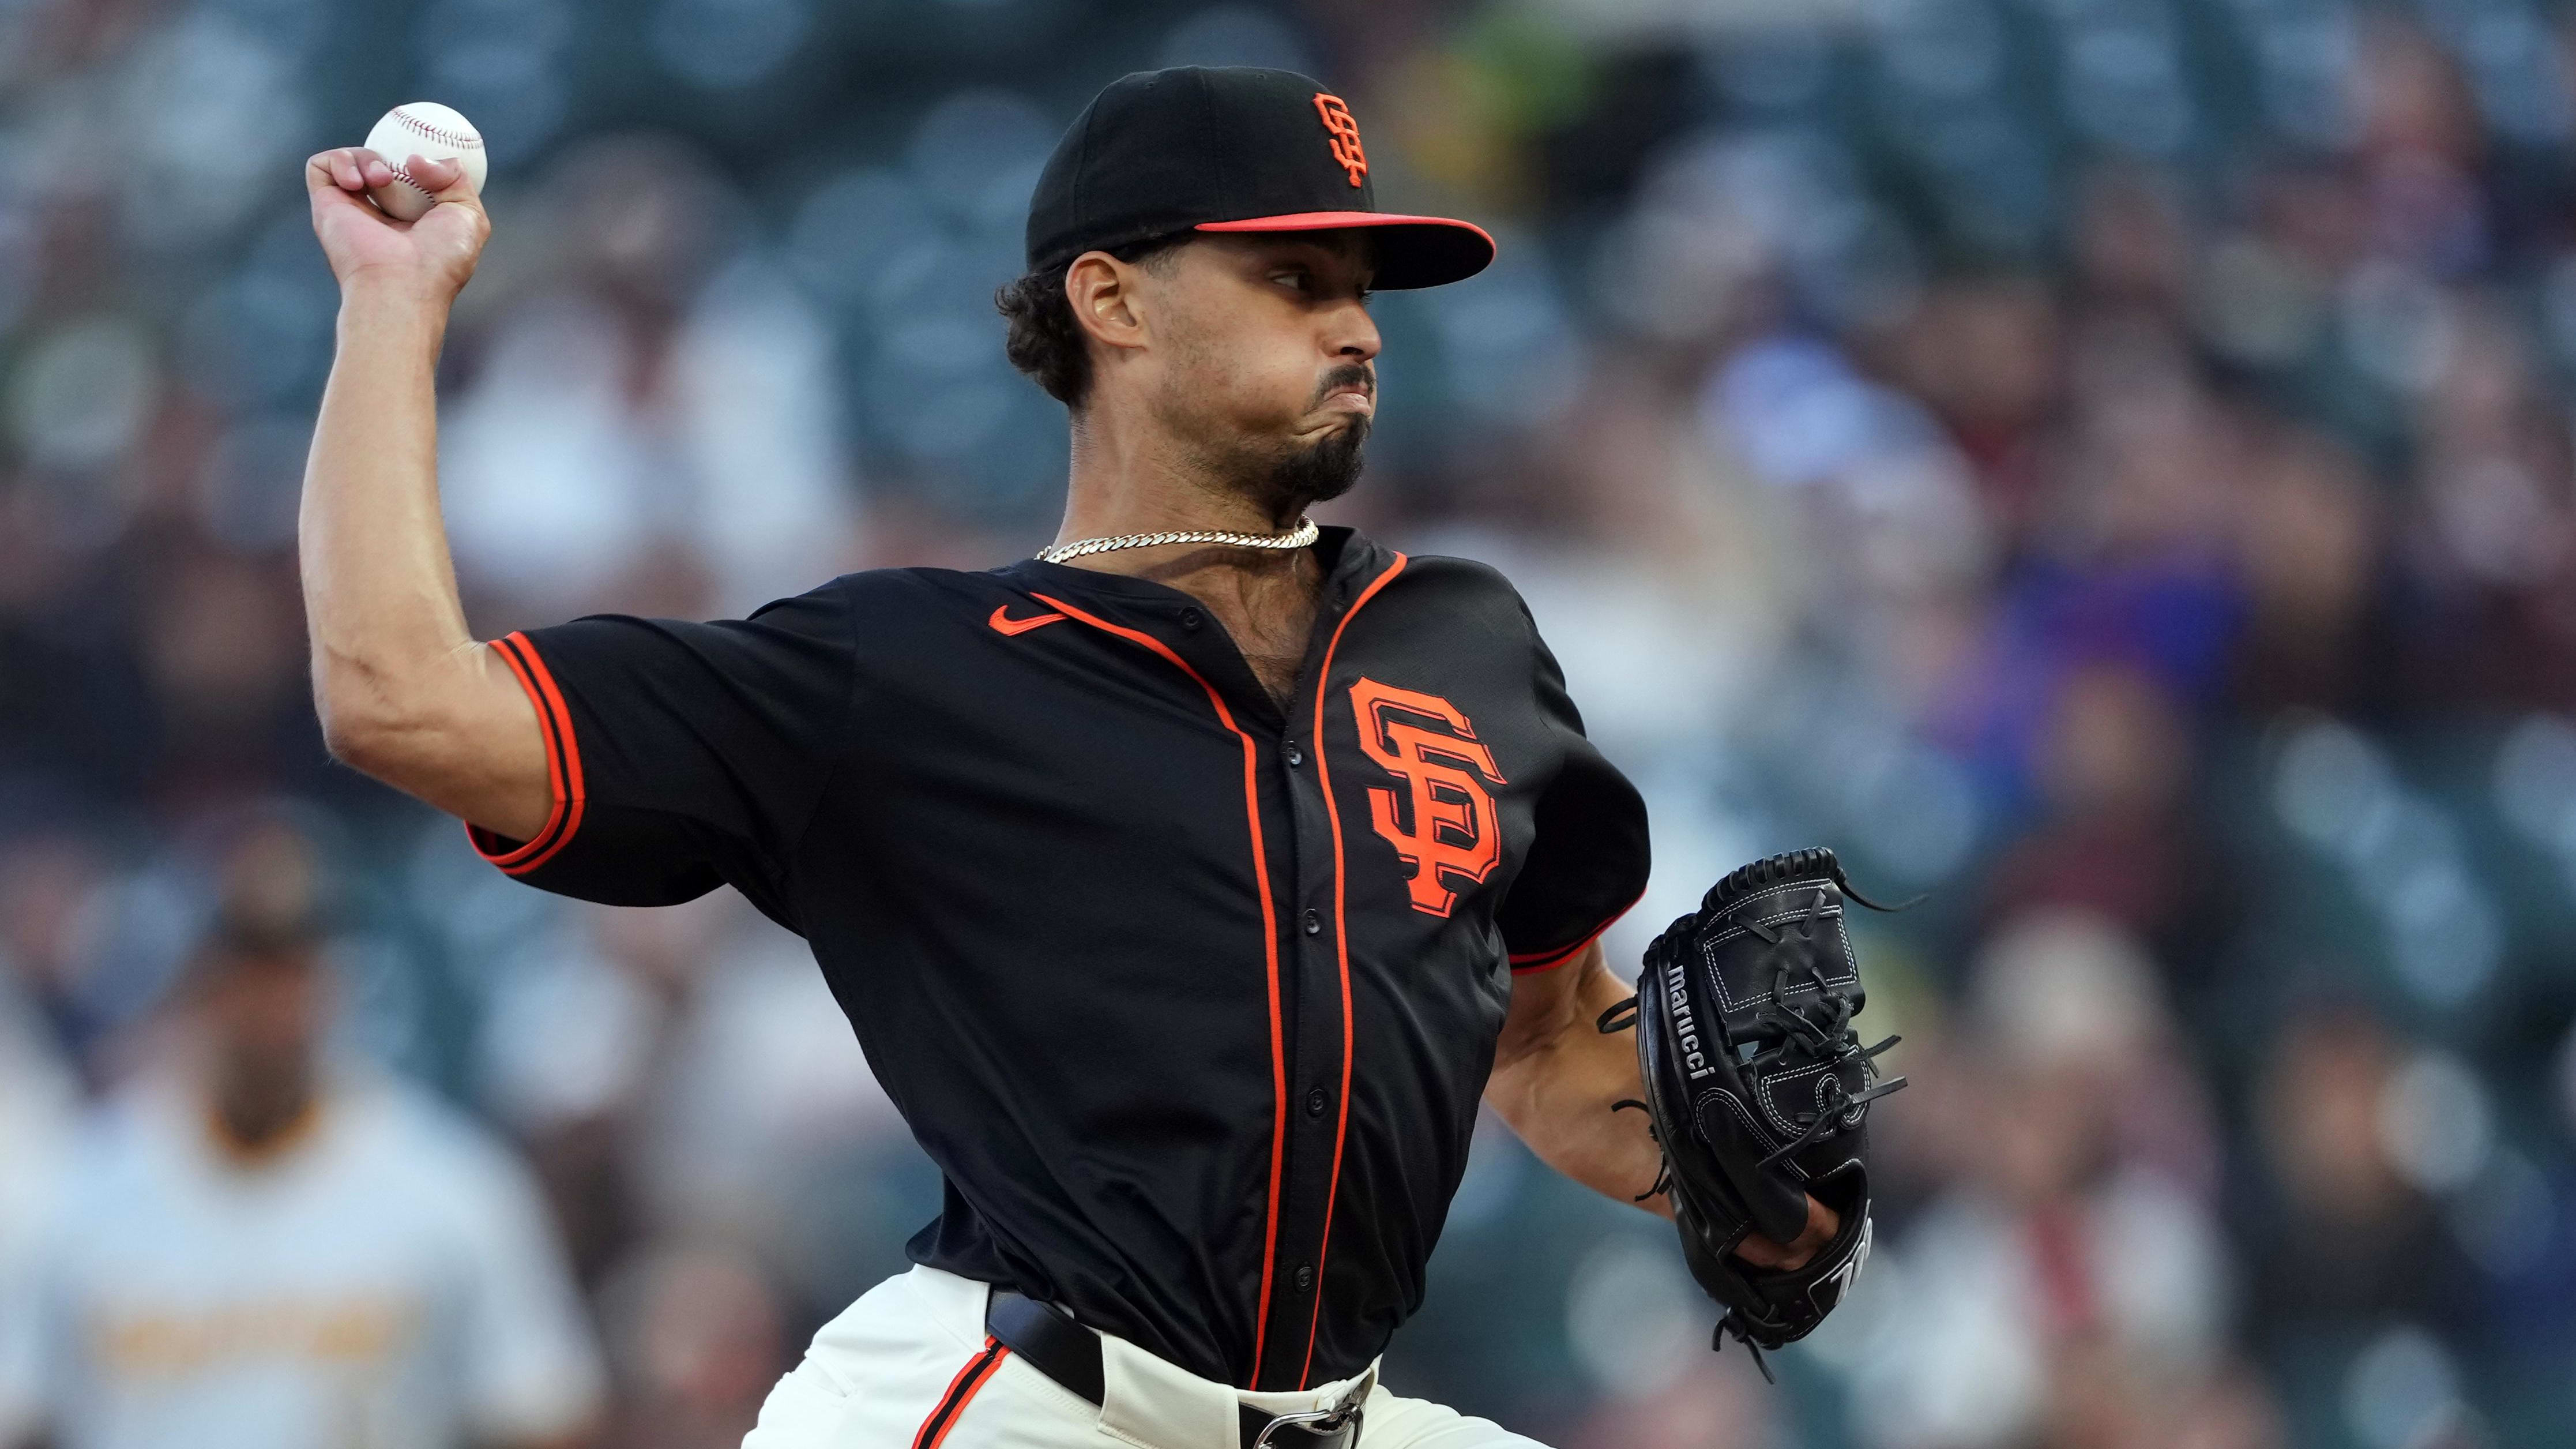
pixel 1003 624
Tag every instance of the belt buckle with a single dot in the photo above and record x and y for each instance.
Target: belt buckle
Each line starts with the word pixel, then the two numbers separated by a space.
pixel 1318 1422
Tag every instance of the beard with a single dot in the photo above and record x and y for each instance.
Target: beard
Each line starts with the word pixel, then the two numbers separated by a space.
pixel 1322 470
pixel 1284 484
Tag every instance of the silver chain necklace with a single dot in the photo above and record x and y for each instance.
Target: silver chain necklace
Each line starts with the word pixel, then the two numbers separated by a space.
pixel 1303 534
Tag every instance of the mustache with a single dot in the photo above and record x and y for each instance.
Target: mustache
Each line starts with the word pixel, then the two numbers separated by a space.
pixel 1361 377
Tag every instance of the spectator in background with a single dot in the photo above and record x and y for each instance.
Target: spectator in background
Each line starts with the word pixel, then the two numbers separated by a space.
pixel 2346 1242
pixel 47 1026
pixel 2319 629
pixel 652 422
pixel 698 1340
pixel 39 1098
pixel 2115 834
pixel 682 1075
pixel 2067 1291
pixel 257 1246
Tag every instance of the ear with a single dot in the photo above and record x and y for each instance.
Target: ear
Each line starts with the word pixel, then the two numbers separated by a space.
pixel 1104 294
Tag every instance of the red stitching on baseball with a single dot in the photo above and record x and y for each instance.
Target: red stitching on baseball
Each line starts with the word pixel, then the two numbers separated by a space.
pixel 452 138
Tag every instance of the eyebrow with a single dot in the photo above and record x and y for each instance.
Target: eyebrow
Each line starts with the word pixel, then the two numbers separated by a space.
pixel 1354 251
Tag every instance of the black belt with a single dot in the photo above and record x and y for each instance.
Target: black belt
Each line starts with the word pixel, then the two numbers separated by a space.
pixel 1069 1353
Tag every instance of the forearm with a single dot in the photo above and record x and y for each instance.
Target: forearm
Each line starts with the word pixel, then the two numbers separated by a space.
pixel 379 591
pixel 1558 1081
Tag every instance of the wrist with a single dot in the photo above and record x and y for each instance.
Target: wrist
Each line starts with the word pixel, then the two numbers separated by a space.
pixel 389 311
pixel 389 295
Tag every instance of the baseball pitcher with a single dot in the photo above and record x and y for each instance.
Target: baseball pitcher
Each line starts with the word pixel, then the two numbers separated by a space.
pixel 1188 885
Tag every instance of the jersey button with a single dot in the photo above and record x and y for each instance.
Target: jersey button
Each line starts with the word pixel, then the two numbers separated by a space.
pixel 1315 1102
pixel 1191 619
pixel 1305 1277
pixel 1314 924
pixel 1296 756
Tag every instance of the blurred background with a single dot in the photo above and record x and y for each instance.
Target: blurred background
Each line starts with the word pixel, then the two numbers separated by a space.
pixel 2105 463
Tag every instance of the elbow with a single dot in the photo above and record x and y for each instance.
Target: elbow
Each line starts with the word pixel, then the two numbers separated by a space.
pixel 359 738
pixel 364 711
pixel 365 726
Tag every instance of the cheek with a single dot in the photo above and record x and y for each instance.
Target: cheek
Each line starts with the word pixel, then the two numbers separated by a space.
pixel 1251 368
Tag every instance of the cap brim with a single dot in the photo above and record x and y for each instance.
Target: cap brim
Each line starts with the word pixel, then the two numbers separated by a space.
pixel 1412 251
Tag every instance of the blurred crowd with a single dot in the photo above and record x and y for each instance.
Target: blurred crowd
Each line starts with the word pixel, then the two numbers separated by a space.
pixel 2106 464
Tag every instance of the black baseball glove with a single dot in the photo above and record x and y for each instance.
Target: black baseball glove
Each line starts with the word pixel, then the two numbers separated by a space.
pixel 1758 1087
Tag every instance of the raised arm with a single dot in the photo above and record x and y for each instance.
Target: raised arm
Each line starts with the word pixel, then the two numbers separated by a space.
pixel 1557 1080
pixel 404 692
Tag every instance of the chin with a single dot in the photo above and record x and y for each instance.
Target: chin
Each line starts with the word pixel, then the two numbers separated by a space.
pixel 1322 470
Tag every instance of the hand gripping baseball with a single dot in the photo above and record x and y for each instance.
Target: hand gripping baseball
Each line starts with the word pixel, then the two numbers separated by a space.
pixel 1758 1087
pixel 433 256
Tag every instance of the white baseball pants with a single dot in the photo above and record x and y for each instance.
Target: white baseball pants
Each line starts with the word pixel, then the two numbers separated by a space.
pixel 909 1366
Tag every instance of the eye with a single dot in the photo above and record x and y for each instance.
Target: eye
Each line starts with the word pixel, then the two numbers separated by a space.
pixel 1298 277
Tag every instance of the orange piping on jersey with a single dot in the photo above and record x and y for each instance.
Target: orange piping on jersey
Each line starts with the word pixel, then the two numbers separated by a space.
pixel 563 762
pixel 1528 962
pixel 1002 625
pixel 1270 949
pixel 961 1391
pixel 554 769
pixel 1341 949
pixel 571 746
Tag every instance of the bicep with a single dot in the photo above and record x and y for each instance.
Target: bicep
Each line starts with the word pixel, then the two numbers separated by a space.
pixel 474 749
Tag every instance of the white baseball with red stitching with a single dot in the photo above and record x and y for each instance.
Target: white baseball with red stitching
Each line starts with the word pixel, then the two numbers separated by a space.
pixel 432 132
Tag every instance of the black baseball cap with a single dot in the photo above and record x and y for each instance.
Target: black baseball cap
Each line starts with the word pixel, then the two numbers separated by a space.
pixel 1231 148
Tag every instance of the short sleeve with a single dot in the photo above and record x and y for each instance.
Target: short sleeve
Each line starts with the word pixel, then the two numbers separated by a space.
pixel 1587 862
pixel 681 755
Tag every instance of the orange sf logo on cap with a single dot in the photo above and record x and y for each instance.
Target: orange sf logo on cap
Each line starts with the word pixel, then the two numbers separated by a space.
pixel 1346 136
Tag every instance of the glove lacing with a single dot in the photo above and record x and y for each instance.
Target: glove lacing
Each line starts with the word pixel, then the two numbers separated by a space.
pixel 1828 1042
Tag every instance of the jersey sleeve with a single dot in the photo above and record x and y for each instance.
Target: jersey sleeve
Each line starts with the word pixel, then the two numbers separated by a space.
pixel 681 756
pixel 1587 864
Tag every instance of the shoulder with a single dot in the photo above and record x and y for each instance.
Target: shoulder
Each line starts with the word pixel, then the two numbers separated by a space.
pixel 887 608
pixel 411 1139
pixel 1450 571
pixel 133 1135
pixel 1463 596
pixel 932 588
pixel 125 1173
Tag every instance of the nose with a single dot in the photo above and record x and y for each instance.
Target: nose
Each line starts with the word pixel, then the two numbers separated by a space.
pixel 1351 336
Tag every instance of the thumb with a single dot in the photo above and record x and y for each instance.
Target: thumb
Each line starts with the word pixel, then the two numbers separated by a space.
pixel 444 180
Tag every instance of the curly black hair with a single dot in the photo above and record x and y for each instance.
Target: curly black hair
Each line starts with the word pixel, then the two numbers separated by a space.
pixel 1044 340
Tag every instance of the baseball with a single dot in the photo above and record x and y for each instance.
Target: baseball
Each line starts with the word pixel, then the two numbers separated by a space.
pixel 432 132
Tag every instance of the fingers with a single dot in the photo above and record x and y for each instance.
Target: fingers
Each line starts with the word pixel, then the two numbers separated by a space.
pixel 1761 1252
pixel 1823 1223
pixel 355 169
pixel 436 177
pixel 350 168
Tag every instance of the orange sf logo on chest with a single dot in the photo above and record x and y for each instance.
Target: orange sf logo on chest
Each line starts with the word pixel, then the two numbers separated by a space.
pixel 1442 822
pixel 1345 131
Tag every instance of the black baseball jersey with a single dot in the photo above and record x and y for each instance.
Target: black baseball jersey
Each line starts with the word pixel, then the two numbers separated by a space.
pixel 1192 999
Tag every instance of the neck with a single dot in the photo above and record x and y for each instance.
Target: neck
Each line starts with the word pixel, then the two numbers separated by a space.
pixel 1128 478
pixel 254 1115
